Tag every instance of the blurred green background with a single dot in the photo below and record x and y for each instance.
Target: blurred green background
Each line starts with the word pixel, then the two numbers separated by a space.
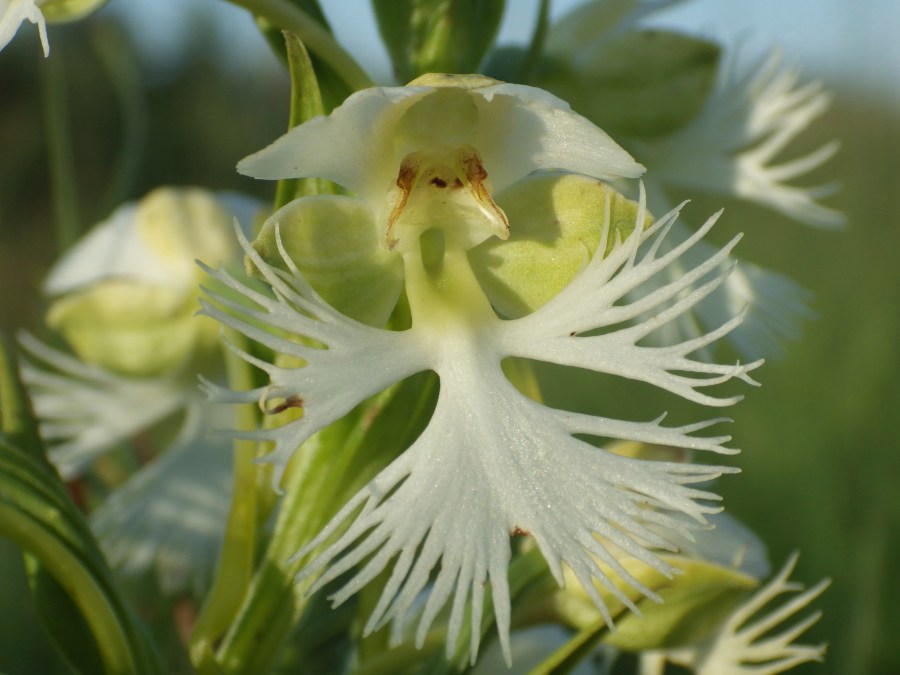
pixel 821 460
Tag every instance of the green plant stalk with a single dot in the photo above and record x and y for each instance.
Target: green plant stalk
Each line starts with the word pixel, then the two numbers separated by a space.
pixel 235 567
pixel 117 56
pixel 566 658
pixel 59 150
pixel 275 602
pixel 317 39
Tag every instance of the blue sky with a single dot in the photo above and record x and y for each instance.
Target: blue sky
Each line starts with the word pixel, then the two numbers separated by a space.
pixel 856 41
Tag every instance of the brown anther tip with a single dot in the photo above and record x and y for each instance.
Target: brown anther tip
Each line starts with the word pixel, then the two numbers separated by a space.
pixel 289 402
pixel 519 532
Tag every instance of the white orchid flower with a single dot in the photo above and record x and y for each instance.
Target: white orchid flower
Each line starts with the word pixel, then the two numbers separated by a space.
pixel 492 463
pixel 731 146
pixel 14 12
pixel 741 646
pixel 371 145
pixel 125 296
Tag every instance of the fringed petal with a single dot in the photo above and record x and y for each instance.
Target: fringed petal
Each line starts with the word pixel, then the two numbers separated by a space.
pixel 85 410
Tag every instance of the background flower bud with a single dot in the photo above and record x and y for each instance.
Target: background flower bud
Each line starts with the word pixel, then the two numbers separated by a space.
pixel 126 294
pixel 60 11
pixel 641 83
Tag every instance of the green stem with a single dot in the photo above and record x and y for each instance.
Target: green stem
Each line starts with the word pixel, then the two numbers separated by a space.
pixel 235 568
pixel 118 59
pixel 317 39
pixel 59 150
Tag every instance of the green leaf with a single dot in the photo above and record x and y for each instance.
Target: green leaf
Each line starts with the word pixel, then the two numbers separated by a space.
pixel 17 421
pixel 72 586
pixel 306 19
pixel 437 36
pixel 62 620
pixel 37 516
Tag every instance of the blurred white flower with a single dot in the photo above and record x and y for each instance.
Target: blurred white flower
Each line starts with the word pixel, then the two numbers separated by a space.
pixel 742 647
pixel 125 296
pixel 14 12
pixel 731 147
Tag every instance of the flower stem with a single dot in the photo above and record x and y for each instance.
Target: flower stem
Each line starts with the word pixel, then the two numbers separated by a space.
pixel 235 567
pixel 317 39
pixel 59 150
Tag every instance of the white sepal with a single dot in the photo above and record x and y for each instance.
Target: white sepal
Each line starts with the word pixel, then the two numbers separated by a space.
pixel 13 13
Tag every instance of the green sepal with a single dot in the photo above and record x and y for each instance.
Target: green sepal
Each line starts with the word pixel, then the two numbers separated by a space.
pixel 129 327
pixel 556 223
pixel 334 241
pixel 641 84
pixel 443 36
